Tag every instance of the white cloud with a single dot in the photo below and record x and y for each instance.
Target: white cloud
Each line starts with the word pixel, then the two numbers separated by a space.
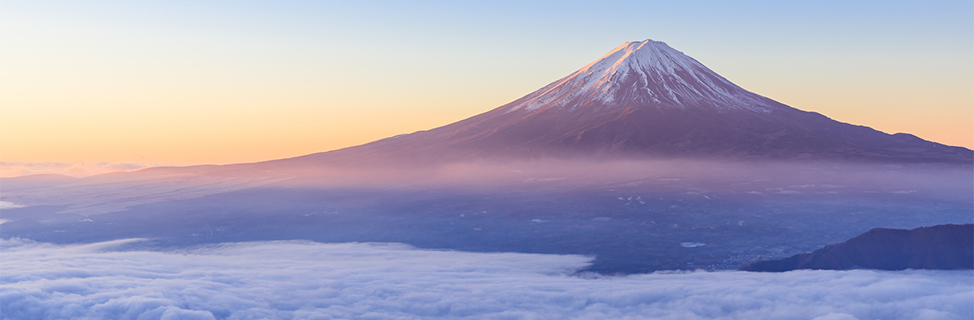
pixel 9 205
pixel 306 280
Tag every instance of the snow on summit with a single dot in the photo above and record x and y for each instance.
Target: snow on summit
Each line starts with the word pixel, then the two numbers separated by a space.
pixel 644 73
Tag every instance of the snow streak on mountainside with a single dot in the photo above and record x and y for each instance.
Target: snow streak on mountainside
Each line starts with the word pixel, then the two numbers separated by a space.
pixel 644 73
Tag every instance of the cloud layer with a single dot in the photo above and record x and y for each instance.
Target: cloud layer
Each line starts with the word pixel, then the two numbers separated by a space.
pixel 306 280
pixel 74 169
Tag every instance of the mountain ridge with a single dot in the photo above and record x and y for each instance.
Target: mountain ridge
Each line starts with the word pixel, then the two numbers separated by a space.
pixel 947 247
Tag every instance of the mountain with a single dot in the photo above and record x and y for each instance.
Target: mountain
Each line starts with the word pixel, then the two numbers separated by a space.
pixel 646 100
pixel 947 247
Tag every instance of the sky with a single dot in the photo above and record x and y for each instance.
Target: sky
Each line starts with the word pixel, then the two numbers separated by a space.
pixel 96 86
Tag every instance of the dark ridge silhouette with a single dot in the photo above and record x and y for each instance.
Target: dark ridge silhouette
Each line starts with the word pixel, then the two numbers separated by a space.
pixel 942 247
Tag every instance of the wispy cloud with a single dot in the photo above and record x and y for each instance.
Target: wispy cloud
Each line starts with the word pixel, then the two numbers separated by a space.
pixel 306 280
pixel 74 169
pixel 9 205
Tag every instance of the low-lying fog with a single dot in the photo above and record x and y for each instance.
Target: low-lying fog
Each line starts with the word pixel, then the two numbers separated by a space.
pixel 306 280
pixel 633 216
pixel 113 192
pixel 538 239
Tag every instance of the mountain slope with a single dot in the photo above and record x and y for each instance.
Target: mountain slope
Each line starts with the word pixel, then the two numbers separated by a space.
pixel 642 100
pixel 948 247
pixel 645 99
pixel 647 73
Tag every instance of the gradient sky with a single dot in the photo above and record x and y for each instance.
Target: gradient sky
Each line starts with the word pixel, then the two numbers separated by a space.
pixel 186 82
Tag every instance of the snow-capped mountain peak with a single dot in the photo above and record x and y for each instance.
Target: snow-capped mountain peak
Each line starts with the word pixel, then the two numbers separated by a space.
pixel 645 100
pixel 643 74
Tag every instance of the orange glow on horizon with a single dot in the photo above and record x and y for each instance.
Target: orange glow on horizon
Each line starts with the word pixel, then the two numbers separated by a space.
pixel 205 83
pixel 181 128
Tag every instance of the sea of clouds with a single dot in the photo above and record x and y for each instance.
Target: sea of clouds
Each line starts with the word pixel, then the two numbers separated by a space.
pixel 307 280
